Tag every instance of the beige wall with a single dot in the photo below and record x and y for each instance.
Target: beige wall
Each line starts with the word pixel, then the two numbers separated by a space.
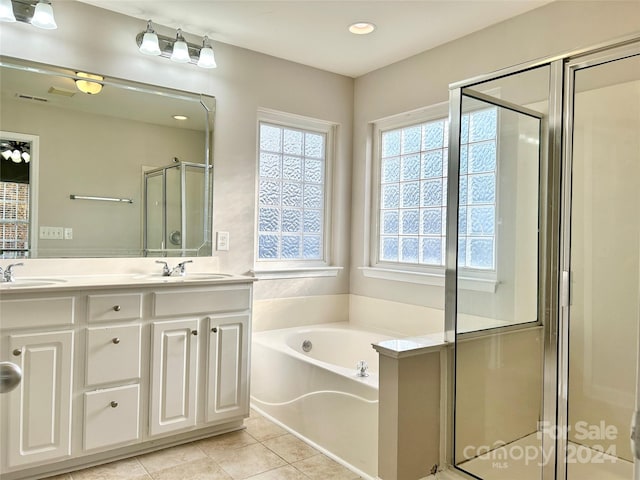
pixel 96 40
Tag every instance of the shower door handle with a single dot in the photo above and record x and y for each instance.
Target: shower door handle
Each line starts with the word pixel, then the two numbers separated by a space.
pixel 635 435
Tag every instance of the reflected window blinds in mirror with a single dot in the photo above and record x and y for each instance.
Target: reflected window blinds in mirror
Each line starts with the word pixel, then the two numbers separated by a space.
pixel 176 49
pixel 101 146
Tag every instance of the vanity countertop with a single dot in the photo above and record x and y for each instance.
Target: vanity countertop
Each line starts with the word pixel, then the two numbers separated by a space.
pixel 50 283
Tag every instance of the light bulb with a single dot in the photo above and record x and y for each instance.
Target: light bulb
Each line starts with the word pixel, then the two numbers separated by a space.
pixel 89 87
pixel 180 49
pixel 6 154
pixel 26 157
pixel 43 16
pixel 16 156
pixel 362 28
pixel 6 11
pixel 207 58
pixel 150 45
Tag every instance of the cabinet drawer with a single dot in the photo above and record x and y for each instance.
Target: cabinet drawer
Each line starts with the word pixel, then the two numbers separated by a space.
pixel 111 416
pixel 214 300
pixel 113 354
pixel 109 308
pixel 37 312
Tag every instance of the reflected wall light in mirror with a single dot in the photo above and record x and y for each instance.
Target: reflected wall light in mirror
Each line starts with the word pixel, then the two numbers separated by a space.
pixel 178 49
pixel 39 14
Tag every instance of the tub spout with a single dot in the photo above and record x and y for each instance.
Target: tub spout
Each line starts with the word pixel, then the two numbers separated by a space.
pixel 362 369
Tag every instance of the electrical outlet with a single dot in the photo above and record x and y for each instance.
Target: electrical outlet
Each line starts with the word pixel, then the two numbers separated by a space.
pixel 222 243
pixel 51 233
pixel 68 233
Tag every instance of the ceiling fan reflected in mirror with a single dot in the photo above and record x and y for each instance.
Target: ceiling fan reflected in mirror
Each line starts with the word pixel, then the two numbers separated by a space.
pixel 15 151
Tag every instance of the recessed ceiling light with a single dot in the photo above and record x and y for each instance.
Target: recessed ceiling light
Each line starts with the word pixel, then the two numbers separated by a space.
pixel 180 117
pixel 362 28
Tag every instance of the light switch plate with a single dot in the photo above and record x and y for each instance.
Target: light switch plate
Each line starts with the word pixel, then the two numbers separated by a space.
pixel 51 233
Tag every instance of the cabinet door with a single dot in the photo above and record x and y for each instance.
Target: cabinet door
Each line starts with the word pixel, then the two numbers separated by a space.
pixel 227 374
pixel 39 415
pixel 173 377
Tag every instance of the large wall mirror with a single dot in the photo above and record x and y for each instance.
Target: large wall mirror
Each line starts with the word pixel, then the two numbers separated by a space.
pixel 122 172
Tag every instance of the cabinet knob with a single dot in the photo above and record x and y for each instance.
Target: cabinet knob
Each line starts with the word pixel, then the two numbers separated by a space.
pixel 214 329
pixel 113 404
pixel 116 308
pixel 116 340
pixel 194 332
pixel 17 352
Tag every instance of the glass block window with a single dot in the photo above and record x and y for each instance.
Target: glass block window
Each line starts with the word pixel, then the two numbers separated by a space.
pixel 413 192
pixel 291 193
pixel 14 219
pixel 477 194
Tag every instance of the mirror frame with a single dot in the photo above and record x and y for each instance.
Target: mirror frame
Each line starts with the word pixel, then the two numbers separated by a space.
pixel 208 104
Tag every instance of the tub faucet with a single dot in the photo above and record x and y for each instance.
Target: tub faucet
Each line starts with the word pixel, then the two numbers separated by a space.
pixel 361 369
pixel 178 269
pixel 7 274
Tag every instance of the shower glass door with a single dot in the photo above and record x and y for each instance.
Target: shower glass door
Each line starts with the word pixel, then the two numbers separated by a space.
pixel 500 330
pixel 603 264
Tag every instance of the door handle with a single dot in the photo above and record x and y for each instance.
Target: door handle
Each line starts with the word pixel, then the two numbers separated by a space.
pixel 10 376
pixel 635 435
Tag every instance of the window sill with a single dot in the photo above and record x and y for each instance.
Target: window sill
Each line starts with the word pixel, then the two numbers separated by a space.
pixel 301 272
pixel 435 279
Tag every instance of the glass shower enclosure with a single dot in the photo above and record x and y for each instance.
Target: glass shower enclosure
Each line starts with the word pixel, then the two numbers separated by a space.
pixel 543 268
pixel 175 210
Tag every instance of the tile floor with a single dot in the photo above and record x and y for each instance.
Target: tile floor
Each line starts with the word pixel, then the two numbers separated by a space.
pixel 263 451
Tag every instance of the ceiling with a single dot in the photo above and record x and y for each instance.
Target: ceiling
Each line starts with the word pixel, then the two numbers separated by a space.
pixel 314 32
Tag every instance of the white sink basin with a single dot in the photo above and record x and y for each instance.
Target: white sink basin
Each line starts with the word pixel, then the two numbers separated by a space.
pixel 21 282
pixel 186 278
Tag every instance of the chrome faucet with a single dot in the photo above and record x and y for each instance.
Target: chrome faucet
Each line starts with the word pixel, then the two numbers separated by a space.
pixel 7 274
pixel 362 369
pixel 178 269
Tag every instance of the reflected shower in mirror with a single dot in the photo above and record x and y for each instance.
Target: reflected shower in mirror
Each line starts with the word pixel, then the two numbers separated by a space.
pixel 99 147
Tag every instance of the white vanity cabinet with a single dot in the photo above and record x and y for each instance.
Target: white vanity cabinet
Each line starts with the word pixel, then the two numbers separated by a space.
pixel 113 371
pixel 39 410
pixel 227 393
pixel 37 335
pixel 211 345
pixel 173 375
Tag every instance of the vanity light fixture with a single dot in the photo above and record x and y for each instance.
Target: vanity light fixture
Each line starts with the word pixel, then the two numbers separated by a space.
pixel 362 28
pixel 89 86
pixel 148 43
pixel 176 49
pixel 180 51
pixel 207 57
pixel 39 14
pixel 43 16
